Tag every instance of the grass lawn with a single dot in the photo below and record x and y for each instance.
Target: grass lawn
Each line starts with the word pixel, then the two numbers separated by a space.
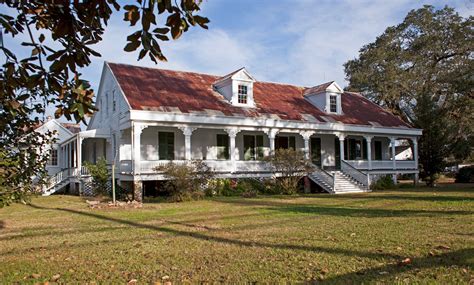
pixel 337 239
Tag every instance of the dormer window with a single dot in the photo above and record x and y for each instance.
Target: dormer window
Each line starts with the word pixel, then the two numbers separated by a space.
pixel 333 104
pixel 326 97
pixel 242 95
pixel 237 88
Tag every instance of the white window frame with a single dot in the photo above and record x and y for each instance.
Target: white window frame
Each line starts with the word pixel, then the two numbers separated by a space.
pixel 245 96
pixel 331 97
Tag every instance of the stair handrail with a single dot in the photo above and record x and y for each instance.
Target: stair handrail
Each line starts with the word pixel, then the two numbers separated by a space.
pixel 355 173
pixel 56 179
pixel 329 178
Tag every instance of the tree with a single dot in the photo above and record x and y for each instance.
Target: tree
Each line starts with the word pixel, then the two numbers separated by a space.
pixel 60 36
pixel 290 166
pixel 421 70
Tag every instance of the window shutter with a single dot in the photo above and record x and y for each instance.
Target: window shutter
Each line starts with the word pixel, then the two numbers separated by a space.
pixel 292 142
pixel 364 149
pixel 259 146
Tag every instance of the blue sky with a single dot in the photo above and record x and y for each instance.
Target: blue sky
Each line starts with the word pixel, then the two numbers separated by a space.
pixel 299 42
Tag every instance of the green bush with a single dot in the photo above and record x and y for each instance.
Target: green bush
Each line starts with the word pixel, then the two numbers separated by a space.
pixel 218 187
pixel 383 183
pixel 290 166
pixel 465 175
pixel 405 185
pixel 249 187
pixel 99 174
pixel 186 181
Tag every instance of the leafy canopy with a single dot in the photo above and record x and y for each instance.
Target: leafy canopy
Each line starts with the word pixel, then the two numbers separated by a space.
pixel 422 70
pixel 59 40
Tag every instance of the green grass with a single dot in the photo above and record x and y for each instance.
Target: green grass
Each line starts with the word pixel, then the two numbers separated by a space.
pixel 338 239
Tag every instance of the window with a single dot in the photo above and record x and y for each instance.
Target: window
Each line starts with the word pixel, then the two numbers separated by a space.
pixel 222 146
pixel 166 145
pixel 242 94
pixel 285 142
pixel 354 149
pixel 333 104
pixel 53 157
pixel 316 151
pixel 253 147
pixel 114 104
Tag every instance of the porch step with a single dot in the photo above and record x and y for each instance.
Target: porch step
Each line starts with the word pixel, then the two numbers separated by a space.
pixel 347 184
pixel 55 188
pixel 344 183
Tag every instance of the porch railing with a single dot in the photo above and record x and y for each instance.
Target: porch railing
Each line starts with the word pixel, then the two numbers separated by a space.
pixel 382 164
pixel 215 165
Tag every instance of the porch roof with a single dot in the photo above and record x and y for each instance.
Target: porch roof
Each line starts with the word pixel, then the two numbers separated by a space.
pixel 188 92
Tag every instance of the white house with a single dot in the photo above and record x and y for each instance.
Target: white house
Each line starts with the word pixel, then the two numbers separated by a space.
pixel 60 133
pixel 148 117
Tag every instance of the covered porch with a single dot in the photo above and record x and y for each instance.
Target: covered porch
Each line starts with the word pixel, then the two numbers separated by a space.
pixel 144 147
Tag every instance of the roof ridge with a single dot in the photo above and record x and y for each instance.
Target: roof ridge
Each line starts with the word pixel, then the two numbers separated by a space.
pixel 163 69
pixel 213 75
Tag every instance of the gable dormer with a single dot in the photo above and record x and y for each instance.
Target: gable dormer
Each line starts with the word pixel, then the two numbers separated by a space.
pixel 237 88
pixel 326 97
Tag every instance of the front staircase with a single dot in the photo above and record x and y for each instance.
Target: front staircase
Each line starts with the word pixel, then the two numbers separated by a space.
pixel 346 180
pixel 58 181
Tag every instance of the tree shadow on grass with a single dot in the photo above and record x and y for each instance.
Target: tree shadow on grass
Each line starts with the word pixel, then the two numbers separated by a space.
pixel 243 243
pixel 433 197
pixel 341 211
pixel 459 258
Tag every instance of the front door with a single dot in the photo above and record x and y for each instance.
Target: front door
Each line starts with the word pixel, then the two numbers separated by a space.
pixel 337 150
pixel 316 151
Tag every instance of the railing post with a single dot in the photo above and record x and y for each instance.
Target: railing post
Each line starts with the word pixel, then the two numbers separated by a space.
pixel 334 181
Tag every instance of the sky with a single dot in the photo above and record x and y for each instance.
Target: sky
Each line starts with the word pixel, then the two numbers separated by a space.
pixel 299 42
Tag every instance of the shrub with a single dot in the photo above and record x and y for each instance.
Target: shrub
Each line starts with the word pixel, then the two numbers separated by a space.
pixel 99 174
pixel 186 181
pixel 249 187
pixel 384 182
pixel 291 165
pixel 465 175
pixel 218 187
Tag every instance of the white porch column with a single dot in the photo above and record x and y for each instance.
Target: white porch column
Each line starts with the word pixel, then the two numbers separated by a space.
pixel 136 155
pixel 79 152
pixel 415 151
pixel 187 131
pixel 368 139
pixel 306 137
pixel 394 161
pixel 271 133
pixel 232 135
pixel 341 145
pixel 415 158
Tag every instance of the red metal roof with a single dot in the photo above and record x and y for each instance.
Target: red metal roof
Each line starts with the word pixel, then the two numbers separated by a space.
pixel 188 92
pixel 317 89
